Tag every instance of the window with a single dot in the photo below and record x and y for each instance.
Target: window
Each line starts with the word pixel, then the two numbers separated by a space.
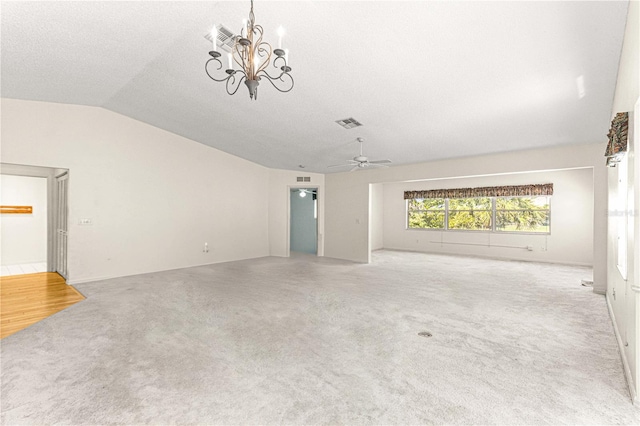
pixel 426 213
pixel 522 214
pixel 472 214
pixel 527 214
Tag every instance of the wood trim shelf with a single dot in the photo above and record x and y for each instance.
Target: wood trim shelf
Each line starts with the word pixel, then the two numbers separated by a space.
pixel 16 209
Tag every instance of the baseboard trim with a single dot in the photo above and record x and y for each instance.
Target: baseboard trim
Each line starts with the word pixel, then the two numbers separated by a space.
pixel 488 256
pixel 110 277
pixel 623 356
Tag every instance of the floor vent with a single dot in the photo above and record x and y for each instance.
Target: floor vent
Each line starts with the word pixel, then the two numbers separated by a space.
pixel 303 179
pixel 425 334
pixel 349 123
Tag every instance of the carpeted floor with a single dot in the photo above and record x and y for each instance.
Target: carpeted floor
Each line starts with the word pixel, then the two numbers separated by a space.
pixel 310 340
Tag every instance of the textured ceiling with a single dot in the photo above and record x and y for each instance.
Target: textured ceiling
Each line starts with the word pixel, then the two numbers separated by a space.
pixel 429 80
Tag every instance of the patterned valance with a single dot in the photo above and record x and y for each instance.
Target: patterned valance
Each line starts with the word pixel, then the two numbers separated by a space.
pixel 618 137
pixel 487 191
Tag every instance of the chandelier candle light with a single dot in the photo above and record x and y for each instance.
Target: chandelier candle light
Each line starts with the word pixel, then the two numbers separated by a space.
pixel 253 56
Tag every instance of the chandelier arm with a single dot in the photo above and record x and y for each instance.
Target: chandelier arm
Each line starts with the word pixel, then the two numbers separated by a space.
pixel 284 68
pixel 267 59
pixel 236 47
pixel 259 31
pixel 279 58
pixel 272 80
pixel 261 49
pixel 206 69
pixel 232 81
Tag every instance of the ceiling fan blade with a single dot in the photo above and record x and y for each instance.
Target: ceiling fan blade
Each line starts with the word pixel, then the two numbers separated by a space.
pixel 348 163
pixel 355 168
pixel 380 162
pixel 378 165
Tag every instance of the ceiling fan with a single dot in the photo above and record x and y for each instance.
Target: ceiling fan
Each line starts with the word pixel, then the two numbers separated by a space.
pixel 361 161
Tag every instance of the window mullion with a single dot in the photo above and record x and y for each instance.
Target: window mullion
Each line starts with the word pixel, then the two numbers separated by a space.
pixel 446 214
pixel 406 225
pixel 493 214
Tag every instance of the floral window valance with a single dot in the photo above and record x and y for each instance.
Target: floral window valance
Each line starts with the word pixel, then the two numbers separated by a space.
pixel 487 191
pixel 618 137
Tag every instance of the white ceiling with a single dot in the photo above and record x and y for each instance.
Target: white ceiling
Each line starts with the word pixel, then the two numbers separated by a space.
pixel 429 80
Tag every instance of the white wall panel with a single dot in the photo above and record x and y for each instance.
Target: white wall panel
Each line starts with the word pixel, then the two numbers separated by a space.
pixel 24 236
pixel 154 198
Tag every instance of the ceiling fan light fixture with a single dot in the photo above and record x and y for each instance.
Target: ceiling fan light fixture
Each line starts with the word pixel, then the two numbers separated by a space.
pixel 361 161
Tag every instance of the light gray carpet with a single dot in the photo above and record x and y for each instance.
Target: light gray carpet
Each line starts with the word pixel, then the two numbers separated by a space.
pixel 320 341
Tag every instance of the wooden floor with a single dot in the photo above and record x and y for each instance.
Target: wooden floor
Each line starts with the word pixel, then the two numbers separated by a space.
pixel 27 299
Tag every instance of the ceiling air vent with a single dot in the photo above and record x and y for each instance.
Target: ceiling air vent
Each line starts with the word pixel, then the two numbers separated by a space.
pixel 225 38
pixel 349 123
pixel 303 179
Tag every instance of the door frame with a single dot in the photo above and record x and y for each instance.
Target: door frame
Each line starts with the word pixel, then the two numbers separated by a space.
pixel 61 228
pixel 50 173
pixel 319 245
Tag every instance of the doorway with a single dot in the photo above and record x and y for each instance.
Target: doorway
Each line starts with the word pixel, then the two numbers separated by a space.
pixel 303 222
pixel 55 231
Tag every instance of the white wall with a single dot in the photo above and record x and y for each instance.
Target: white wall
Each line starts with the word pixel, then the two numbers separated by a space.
pixel 280 182
pixel 623 296
pixel 376 218
pixel 570 241
pixel 347 200
pixel 24 236
pixel 154 197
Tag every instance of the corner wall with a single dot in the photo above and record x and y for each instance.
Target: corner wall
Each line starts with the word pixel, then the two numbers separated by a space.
pixel 154 198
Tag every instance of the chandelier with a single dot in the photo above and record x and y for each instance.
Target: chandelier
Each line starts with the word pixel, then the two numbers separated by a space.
pixel 253 56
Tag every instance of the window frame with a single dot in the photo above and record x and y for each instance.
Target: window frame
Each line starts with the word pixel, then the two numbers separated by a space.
pixel 490 210
pixel 445 211
pixel 622 226
pixel 493 212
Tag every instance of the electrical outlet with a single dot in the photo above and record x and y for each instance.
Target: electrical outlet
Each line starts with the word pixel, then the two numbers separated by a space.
pixel 206 248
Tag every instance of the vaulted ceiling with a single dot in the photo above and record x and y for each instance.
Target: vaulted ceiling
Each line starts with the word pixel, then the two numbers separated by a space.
pixel 428 80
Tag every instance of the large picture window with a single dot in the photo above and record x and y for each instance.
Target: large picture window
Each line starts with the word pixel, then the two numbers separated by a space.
pixel 508 213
